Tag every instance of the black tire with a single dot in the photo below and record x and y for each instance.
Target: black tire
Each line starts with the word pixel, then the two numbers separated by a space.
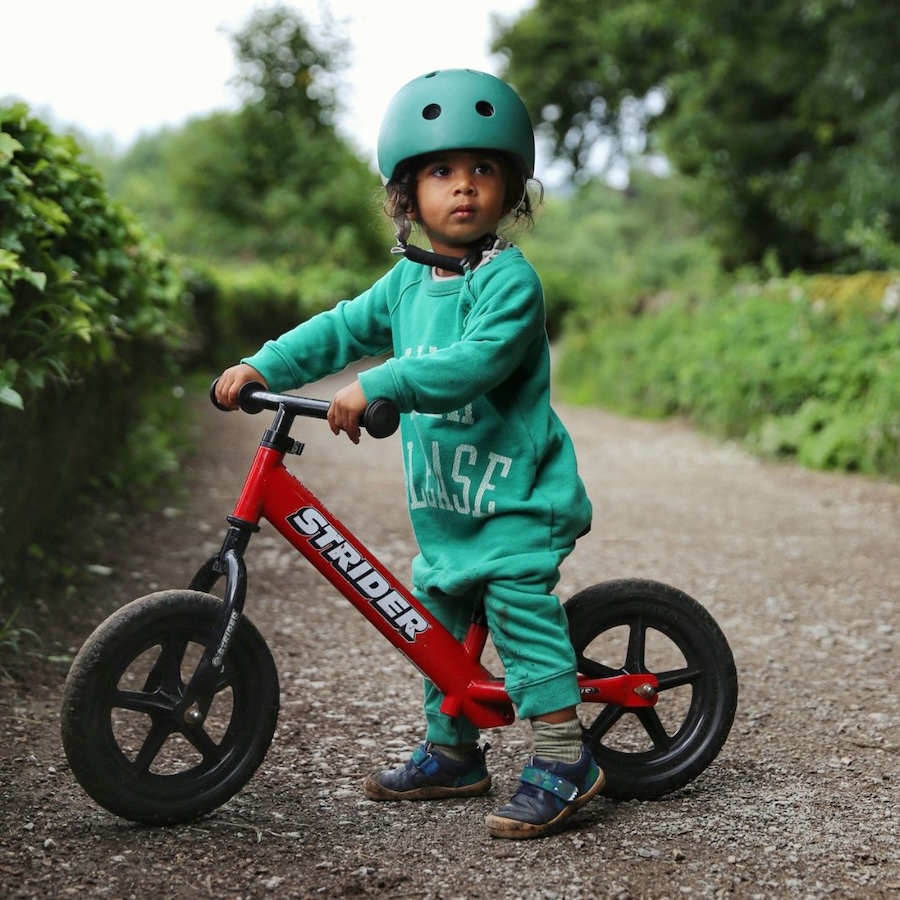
pixel 129 745
pixel 636 626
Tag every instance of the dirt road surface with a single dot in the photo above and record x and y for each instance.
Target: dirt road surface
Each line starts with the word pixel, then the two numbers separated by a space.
pixel 800 570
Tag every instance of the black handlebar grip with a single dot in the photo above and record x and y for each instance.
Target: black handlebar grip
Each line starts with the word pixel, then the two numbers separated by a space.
pixel 245 399
pixel 381 418
pixel 247 402
pixel 212 397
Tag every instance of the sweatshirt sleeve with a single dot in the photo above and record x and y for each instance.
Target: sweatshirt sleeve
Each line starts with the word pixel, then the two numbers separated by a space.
pixel 329 341
pixel 505 321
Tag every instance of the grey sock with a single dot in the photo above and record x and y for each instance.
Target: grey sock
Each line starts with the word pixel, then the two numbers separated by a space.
pixel 559 742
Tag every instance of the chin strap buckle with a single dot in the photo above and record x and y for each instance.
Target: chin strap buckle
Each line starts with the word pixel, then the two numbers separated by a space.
pixel 457 264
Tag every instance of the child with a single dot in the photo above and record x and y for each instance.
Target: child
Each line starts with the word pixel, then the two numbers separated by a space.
pixel 492 485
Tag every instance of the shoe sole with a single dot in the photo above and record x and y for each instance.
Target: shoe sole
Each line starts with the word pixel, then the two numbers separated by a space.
pixel 514 829
pixel 376 791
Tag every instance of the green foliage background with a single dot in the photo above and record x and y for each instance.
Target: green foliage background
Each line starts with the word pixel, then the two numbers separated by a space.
pixel 783 114
pixel 777 366
pixel 271 183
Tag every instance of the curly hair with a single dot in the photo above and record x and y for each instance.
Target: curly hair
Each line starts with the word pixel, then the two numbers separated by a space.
pixel 522 193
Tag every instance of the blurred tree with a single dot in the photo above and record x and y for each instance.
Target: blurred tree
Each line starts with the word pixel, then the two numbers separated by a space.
pixel 272 182
pixel 784 113
pixel 282 71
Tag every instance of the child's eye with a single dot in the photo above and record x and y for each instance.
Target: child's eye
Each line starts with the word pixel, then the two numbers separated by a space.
pixel 484 168
pixel 441 171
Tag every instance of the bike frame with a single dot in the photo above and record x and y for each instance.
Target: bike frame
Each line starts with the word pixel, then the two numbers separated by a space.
pixel 273 493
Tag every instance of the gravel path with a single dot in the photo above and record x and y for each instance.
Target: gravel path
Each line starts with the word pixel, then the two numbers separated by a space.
pixel 800 570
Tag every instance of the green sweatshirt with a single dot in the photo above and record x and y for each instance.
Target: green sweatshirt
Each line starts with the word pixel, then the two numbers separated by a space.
pixel 491 475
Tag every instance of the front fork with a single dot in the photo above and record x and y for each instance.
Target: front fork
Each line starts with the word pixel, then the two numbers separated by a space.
pixel 229 561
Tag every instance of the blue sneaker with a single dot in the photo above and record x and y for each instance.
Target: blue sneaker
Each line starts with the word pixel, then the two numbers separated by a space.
pixel 431 775
pixel 549 792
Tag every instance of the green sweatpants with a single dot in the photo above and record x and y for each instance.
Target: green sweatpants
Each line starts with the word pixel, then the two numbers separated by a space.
pixel 530 633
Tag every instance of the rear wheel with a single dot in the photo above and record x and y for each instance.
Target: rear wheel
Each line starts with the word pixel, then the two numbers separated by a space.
pixel 634 626
pixel 132 741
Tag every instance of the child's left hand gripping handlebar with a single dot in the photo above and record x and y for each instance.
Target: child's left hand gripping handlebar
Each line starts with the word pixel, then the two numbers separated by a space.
pixel 380 419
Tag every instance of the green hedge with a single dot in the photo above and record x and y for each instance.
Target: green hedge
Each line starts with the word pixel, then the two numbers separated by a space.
pixel 79 283
pixel 92 322
pixel 800 368
pixel 238 308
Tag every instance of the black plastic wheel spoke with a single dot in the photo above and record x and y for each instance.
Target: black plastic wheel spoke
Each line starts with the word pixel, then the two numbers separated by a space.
pixel 153 743
pixel 590 668
pixel 225 680
pixel 654 728
pixel 151 704
pixel 166 672
pixel 204 744
pixel 677 678
pixel 637 645
pixel 606 720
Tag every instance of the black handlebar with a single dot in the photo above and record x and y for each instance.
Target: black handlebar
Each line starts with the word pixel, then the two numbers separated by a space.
pixel 381 417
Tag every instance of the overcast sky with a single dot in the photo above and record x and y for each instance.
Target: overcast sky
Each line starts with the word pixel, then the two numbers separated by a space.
pixel 115 68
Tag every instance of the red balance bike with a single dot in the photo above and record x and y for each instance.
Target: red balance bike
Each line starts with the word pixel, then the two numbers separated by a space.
pixel 171 704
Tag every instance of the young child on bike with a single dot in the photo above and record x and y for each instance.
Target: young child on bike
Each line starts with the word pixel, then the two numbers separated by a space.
pixel 494 494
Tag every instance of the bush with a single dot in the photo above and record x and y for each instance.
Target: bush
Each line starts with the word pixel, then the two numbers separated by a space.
pixel 238 308
pixel 790 368
pixel 80 286
pixel 601 251
pixel 92 321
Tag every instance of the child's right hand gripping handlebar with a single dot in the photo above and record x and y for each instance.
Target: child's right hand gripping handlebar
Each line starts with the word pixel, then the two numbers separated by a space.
pixel 380 419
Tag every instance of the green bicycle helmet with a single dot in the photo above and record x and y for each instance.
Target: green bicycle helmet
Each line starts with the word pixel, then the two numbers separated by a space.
pixel 455 109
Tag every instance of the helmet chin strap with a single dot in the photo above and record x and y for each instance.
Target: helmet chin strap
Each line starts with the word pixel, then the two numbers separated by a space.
pixel 457 264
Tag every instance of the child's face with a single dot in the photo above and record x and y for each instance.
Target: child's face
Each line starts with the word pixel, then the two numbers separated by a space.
pixel 460 197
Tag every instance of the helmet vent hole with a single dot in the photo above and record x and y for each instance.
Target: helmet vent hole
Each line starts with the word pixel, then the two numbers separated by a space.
pixel 432 111
pixel 483 108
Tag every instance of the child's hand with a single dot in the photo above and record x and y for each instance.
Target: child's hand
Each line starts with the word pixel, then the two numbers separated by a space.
pixel 346 410
pixel 232 380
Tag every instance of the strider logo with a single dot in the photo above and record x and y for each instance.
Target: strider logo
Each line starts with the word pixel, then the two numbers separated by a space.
pixel 356 569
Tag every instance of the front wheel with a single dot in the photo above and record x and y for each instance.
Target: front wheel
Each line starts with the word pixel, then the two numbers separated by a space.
pixel 635 626
pixel 132 742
